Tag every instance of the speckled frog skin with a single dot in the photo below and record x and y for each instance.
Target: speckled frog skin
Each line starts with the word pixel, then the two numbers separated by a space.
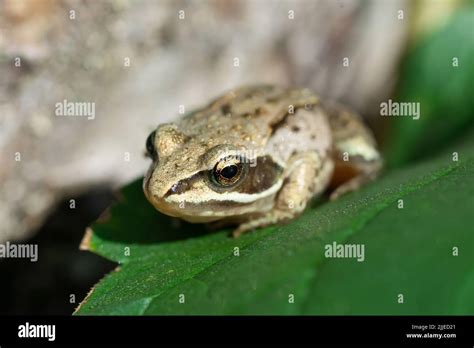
pixel 256 156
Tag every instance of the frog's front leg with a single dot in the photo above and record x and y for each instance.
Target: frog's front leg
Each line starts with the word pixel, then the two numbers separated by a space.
pixel 308 174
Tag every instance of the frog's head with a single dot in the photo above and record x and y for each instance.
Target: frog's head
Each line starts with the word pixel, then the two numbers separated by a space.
pixel 204 181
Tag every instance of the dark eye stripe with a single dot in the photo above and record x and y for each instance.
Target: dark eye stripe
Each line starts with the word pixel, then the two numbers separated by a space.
pixel 260 178
pixel 183 185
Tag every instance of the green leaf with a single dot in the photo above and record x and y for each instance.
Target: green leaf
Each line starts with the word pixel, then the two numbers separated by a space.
pixel 444 91
pixel 408 252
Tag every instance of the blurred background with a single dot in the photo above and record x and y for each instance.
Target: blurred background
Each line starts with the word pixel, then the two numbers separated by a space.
pixel 143 61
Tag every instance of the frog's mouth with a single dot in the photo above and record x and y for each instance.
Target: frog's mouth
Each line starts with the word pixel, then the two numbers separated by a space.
pixel 196 214
pixel 191 212
pixel 211 210
pixel 182 210
pixel 202 206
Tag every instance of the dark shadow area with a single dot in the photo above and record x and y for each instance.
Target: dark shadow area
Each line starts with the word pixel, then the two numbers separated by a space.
pixel 62 270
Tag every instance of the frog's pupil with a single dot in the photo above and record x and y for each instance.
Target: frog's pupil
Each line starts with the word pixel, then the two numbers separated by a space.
pixel 229 172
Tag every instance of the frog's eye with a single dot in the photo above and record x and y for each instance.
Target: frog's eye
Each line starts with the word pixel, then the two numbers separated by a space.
pixel 228 172
pixel 150 146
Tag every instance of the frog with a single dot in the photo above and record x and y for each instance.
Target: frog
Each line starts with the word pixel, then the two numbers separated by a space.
pixel 258 156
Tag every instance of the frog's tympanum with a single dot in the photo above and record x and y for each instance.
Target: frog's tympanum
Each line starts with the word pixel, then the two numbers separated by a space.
pixel 256 156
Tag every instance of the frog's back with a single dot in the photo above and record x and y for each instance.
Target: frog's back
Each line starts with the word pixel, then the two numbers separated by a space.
pixel 286 120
